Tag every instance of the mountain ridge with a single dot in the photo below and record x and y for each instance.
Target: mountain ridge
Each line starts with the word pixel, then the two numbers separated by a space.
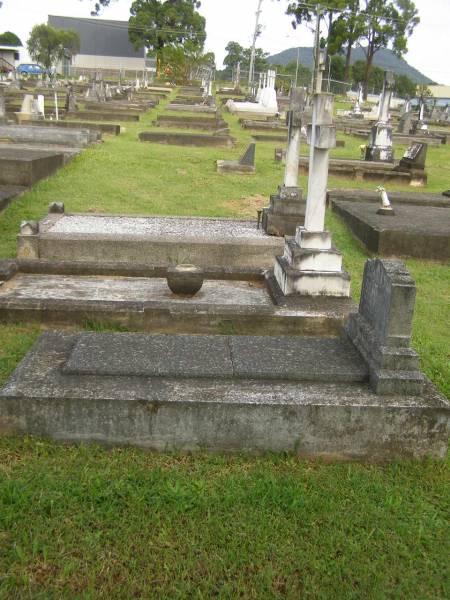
pixel 384 58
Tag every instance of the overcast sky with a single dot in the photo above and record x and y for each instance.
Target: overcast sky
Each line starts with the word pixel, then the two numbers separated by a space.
pixel 226 20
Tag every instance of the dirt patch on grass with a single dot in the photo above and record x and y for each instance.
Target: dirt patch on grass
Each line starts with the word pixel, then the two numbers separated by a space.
pixel 246 206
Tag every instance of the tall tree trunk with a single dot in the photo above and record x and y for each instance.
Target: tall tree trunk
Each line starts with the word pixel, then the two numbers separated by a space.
pixel 369 63
pixel 348 57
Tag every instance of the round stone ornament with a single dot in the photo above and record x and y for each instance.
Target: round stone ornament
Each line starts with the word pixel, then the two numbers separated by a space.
pixel 185 279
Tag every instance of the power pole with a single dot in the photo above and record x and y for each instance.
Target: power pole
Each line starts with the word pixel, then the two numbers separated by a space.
pixel 316 70
pixel 251 72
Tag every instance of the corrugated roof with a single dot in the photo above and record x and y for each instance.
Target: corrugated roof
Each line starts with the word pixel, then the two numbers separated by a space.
pixel 99 37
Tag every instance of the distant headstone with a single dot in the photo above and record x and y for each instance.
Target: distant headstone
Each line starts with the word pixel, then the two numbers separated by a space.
pixel 2 105
pixel 405 123
pixel 71 102
pixel 381 330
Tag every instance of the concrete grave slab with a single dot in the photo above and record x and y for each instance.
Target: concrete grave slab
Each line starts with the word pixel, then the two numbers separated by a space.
pixel 309 418
pixel 413 231
pixel 24 167
pixel 91 115
pixel 187 139
pixel 103 128
pixel 245 303
pixel 206 242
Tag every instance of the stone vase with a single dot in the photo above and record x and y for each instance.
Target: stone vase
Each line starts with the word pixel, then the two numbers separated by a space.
pixel 185 279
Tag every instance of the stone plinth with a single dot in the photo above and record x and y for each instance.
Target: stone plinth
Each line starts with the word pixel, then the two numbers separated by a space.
pixel 47 135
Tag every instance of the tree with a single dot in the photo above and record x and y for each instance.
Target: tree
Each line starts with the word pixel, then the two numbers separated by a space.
pixel 404 86
pixel 162 24
pixel 182 62
pixel 47 45
pixel 386 22
pixel 305 12
pixel 345 32
pixel 376 78
pixel 237 54
pixel 10 39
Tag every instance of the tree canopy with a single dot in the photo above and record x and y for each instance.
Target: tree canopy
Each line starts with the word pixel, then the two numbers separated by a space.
pixel 10 39
pixel 238 54
pixel 47 45
pixel 158 24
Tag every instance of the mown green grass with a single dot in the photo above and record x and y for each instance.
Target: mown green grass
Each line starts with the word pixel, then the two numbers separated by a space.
pixel 83 522
pixel 89 523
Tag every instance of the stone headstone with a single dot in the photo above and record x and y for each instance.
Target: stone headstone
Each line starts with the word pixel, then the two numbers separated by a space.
pixel 405 123
pixel 415 156
pixel 27 104
pixel 71 102
pixel 381 330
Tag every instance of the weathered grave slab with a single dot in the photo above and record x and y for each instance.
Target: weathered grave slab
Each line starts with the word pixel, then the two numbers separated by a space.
pixel 137 297
pixel 24 167
pixel 338 420
pixel 206 242
pixel 407 197
pixel 185 122
pixel 187 139
pixel 46 135
pixel 365 170
pixel 91 115
pixel 412 231
pixel 103 128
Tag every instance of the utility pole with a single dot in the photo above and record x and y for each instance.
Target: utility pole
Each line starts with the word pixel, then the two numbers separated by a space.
pixel 251 72
pixel 316 71
pixel 296 69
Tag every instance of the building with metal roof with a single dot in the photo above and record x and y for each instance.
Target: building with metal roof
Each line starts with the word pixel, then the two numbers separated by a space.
pixel 104 45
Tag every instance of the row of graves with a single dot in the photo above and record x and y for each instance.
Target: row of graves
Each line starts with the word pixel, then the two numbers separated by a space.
pixel 244 341
pixel 42 128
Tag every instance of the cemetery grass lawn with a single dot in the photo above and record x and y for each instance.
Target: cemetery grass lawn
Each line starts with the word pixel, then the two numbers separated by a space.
pixel 84 522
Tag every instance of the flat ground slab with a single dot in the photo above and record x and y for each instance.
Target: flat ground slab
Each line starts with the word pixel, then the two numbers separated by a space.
pixel 206 242
pixel 147 304
pixel 414 230
pixel 217 393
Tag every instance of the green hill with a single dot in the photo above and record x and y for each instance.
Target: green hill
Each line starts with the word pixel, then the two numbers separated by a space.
pixel 385 59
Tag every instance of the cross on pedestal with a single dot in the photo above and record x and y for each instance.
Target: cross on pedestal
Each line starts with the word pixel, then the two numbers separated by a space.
pixel 310 265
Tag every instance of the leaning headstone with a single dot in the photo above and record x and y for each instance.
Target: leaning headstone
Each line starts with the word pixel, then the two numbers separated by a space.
pixel 381 330
pixel 414 157
pixel 246 164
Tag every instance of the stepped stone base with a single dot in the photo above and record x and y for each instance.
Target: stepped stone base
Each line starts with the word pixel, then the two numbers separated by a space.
pixel 311 282
pixel 251 394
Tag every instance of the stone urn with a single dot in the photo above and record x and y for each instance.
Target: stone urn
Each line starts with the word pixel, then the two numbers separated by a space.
pixel 185 279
